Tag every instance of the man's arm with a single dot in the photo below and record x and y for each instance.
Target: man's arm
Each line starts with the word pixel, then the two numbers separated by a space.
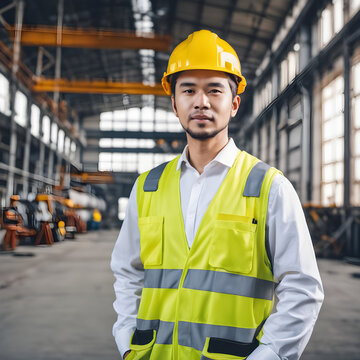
pixel 299 292
pixel 129 274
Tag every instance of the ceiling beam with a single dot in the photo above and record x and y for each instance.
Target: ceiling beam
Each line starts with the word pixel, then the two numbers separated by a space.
pixel 154 150
pixel 90 38
pixel 220 29
pixel 276 17
pixel 154 135
pixel 95 87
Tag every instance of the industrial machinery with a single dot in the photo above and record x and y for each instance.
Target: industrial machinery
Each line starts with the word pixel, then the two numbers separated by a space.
pixel 20 222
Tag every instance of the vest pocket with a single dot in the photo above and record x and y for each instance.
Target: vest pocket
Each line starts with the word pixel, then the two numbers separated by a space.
pixel 141 344
pixel 223 349
pixel 232 244
pixel 151 240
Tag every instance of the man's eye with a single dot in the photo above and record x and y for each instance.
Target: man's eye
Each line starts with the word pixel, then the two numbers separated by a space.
pixel 215 91
pixel 188 91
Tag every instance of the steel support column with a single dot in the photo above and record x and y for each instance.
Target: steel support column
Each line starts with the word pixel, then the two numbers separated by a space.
pixel 305 49
pixel 305 57
pixel 50 171
pixel 347 143
pixel 26 162
pixel 58 48
pixel 53 156
pixel 13 137
pixel 306 147
pixel 347 125
pixel 40 163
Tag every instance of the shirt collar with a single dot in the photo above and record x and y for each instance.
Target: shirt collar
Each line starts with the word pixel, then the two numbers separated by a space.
pixel 225 157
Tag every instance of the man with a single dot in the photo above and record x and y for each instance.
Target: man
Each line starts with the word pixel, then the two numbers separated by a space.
pixel 208 235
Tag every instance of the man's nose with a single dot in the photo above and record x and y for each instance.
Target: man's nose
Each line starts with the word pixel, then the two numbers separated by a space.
pixel 201 101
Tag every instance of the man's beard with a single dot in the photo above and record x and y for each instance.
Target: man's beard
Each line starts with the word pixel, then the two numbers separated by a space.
pixel 204 135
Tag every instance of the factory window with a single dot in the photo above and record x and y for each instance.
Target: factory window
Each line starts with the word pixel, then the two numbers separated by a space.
pixel 355 200
pixel 61 139
pixel 354 6
pixel 263 97
pixel 35 120
pixel 20 108
pixel 127 143
pixel 289 67
pixel 105 161
pixel 283 74
pixel 331 20
pixel 131 162
pixel 46 129
pixel 134 116
pixel 292 65
pixel 122 202
pixel 136 119
pixel 72 150
pixel 4 95
pixel 333 143
pixel 67 146
pixel 54 135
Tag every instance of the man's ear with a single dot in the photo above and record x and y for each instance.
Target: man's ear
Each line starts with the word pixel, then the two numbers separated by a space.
pixel 173 103
pixel 235 105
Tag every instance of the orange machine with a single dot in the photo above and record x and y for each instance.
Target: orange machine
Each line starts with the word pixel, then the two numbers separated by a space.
pixel 12 221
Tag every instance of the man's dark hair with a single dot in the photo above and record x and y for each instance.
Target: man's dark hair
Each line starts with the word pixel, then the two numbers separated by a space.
pixel 233 82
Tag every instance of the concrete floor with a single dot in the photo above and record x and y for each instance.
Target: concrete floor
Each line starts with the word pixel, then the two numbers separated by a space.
pixel 57 304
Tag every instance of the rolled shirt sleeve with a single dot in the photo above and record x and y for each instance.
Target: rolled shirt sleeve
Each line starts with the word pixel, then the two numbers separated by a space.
pixel 299 292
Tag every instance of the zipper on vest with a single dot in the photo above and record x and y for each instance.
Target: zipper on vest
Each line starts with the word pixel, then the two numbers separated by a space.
pixel 254 221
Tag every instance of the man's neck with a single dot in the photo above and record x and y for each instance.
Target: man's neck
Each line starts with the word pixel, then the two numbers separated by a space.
pixel 201 152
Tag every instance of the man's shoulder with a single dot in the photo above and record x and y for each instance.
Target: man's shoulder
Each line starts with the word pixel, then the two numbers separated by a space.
pixel 151 177
pixel 257 162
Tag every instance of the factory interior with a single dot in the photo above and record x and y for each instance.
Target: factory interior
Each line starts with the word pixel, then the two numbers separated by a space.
pixel 83 114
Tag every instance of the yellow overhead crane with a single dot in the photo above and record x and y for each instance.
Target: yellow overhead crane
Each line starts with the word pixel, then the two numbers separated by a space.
pixel 90 38
pixel 95 87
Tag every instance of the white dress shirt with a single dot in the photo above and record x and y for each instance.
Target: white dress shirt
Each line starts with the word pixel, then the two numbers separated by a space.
pixel 299 291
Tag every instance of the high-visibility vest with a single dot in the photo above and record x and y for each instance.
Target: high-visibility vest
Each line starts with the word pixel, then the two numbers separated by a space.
pixel 209 301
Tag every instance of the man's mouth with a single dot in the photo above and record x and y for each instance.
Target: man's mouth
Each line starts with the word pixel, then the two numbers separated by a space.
pixel 202 117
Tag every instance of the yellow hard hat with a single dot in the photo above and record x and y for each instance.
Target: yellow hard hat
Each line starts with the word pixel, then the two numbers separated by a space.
pixel 203 50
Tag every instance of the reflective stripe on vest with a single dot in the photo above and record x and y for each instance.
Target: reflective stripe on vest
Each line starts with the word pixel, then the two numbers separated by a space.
pixel 153 177
pixel 164 329
pixel 207 280
pixel 199 332
pixel 255 179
